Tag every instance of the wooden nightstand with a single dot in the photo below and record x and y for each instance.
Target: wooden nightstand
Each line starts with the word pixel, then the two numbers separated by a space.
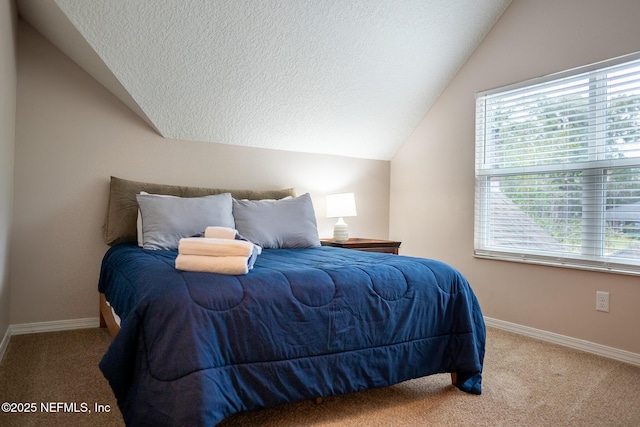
pixel 367 245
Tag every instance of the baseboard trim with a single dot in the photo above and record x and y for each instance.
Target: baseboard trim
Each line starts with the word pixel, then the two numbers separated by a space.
pixel 56 325
pixel 575 343
pixel 38 327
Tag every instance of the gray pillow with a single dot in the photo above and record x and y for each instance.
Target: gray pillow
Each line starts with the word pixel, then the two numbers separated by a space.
pixel 167 219
pixel 285 223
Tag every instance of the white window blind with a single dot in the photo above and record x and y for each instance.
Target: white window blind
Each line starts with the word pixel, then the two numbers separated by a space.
pixel 558 169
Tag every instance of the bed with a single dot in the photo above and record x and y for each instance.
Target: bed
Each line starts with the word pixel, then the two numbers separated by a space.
pixel 192 348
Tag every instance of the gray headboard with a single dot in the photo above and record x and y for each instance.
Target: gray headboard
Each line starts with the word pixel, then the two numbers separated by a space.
pixel 122 211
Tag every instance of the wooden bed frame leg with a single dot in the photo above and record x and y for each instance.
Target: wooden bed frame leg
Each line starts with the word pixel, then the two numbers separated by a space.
pixel 454 378
pixel 103 323
pixel 106 317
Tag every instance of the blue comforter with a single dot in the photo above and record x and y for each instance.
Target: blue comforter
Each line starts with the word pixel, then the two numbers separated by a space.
pixel 195 348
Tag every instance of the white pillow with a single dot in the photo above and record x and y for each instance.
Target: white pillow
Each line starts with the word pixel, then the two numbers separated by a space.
pixel 284 223
pixel 167 219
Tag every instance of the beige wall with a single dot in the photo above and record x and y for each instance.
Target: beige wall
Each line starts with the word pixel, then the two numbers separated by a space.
pixel 8 78
pixel 432 176
pixel 72 135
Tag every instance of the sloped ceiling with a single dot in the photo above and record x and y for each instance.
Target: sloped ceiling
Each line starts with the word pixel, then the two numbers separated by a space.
pixel 350 78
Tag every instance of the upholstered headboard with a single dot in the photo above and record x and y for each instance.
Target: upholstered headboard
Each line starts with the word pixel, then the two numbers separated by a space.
pixel 122 211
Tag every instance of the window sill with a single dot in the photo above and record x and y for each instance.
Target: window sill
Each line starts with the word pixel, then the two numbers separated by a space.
pixel 629 270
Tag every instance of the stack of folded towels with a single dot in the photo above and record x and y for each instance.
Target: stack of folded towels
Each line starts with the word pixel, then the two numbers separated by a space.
pixel 221 250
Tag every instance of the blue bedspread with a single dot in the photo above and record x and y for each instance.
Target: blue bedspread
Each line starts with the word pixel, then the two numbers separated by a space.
pixel 195 348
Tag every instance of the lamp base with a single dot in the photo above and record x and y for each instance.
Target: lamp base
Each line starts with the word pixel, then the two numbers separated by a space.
pixel 340 232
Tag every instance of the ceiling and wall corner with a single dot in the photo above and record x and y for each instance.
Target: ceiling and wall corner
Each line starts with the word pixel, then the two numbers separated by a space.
pixel 346 78
pixel 46 16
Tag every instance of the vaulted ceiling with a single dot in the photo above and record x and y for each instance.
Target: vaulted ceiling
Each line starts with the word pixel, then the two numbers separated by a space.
pixel 345 77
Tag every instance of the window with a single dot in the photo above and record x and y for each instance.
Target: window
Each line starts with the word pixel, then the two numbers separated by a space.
pixel 558 169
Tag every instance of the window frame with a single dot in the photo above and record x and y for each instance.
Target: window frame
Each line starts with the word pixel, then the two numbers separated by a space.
pixel 593 169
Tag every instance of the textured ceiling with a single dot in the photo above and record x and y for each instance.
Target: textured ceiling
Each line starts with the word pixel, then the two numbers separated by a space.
pixel 351 78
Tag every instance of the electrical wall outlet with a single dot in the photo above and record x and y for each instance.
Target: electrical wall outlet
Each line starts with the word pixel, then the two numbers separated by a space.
pixel 602 301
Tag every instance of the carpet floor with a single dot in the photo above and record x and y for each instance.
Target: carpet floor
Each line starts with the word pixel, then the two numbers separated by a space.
pixel 526 382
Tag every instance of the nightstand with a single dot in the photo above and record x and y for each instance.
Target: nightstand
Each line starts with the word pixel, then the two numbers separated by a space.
pixel 367 245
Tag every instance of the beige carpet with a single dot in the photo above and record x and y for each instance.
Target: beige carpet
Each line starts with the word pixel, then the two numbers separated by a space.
pixel 526 383
pixel 57 367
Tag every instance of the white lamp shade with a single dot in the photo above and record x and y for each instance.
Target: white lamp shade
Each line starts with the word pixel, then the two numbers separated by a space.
pixel 339 205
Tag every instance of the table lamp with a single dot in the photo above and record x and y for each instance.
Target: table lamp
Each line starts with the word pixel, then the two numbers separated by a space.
pixel 339 206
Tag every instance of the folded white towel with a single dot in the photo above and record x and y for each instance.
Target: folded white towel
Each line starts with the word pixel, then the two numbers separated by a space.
pixel 210 264
pixel 220 232
pixel 214 247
